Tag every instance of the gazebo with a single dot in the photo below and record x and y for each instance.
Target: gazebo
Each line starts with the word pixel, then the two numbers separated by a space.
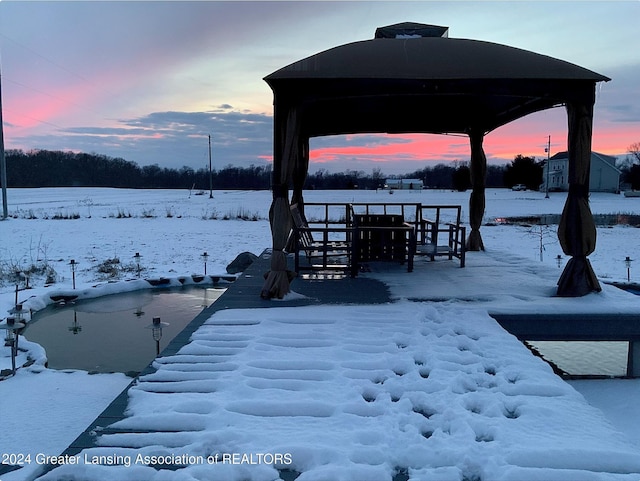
pixel 413 78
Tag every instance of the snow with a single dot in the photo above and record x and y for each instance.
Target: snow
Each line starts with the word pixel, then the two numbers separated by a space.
pixel 429 384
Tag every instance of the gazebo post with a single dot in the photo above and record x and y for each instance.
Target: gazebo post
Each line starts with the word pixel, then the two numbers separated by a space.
pixel 285 155
pixel 478 169
pixel 300 171
pixel 577 230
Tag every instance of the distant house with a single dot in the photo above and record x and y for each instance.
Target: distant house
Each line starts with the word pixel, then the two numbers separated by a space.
pixel 604 176
pixel 403 184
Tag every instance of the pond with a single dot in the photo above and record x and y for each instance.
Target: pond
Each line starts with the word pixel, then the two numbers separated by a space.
pixel 110 333
pixel 586 358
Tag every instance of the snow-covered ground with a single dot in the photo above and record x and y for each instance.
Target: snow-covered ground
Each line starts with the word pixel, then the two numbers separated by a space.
pixel 172 229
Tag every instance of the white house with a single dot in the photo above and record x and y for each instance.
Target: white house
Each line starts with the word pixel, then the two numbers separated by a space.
pixel 403 184
pixel 604 176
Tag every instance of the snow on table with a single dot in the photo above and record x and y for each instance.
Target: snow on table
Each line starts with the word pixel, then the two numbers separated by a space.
pixel 437 391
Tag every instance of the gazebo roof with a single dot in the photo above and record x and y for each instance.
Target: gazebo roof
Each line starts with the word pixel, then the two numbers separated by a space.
pixel 431 58
pixel 450 84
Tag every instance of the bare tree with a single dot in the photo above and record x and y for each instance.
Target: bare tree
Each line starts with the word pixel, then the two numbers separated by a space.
pixel 634 151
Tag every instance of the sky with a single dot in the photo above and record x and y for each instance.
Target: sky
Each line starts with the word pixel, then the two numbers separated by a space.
pixel 150 81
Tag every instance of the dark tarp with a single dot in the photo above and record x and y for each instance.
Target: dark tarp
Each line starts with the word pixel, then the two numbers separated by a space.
pixel 427 85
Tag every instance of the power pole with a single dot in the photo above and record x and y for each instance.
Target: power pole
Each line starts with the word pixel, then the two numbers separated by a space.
pixel 548 151
pixel 210 174
pixel 3 162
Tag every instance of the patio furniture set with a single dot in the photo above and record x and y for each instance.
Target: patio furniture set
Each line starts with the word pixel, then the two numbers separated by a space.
pixel 348 237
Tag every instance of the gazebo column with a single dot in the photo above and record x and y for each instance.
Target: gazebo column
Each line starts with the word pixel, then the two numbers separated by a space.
pixel 285 153
pixel 577 230
pixel 477 200
pixel 300 172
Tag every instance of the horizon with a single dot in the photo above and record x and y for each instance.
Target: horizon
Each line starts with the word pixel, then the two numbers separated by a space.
pixel 108 78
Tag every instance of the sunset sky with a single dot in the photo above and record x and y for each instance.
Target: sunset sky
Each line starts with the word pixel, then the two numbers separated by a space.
pixel 149 81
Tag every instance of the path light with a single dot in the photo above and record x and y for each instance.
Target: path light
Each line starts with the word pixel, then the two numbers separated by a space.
pixel 559 261
pixel 73 264
pixel 205 258
pixel 627 262
pixel 156 331
pixel 17 274
pixel 75 328
pixel 137 258
pixel 11 339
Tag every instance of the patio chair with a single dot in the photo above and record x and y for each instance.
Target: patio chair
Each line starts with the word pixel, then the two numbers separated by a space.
pixel 332 252
pixel 430 230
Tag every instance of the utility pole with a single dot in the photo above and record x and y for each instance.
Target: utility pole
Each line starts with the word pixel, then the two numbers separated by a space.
pixel 548 151
pixel 3 162
pixel 210 174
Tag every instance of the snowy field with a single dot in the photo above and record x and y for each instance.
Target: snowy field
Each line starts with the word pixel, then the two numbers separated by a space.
pixel 171 229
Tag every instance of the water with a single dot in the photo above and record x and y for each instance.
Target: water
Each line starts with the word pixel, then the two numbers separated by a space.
pixel 601 220
pixel 110 334
pixel 586 358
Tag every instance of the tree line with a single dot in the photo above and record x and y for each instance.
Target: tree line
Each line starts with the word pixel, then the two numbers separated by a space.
pixel 43 168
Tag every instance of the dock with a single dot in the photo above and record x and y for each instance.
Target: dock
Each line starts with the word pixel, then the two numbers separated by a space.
pixel 190 367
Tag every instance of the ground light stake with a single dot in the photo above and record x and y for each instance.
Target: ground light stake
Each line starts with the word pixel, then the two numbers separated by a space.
pixel 73 264
pixel 627 262
pixel 12 327
pixel 156 332
pixel 205 258
pixel 137 258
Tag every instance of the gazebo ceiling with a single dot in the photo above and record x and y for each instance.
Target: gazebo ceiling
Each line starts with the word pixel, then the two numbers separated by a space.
pixel 424 84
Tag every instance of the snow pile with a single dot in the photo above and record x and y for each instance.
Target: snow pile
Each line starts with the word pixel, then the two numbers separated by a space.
pixel 45 410
pixel 436 391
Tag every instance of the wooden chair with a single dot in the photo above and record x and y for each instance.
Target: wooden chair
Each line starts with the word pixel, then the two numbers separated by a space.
pixel 430 229
pixel 332 252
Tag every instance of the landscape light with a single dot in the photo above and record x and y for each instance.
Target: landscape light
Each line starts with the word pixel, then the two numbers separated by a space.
pixel 627 263
pixel 73 264
pixel 559 260
pixel 137 258
pixel 12 327
pixel 156 331
pixel 17 274
pixel 205 257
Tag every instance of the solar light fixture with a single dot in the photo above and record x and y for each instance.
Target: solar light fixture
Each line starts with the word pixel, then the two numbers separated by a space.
pixel 11 339
pixel 137 258
pixel 627 262
pixel 73 265
pixel 156 331
pixel 205 258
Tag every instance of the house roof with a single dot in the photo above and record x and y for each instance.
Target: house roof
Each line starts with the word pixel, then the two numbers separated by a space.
pixel 608 160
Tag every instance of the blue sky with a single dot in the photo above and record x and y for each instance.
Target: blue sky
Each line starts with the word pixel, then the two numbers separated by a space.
pixel 149 81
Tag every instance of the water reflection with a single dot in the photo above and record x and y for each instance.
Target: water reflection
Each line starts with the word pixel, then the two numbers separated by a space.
pixel 109 334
